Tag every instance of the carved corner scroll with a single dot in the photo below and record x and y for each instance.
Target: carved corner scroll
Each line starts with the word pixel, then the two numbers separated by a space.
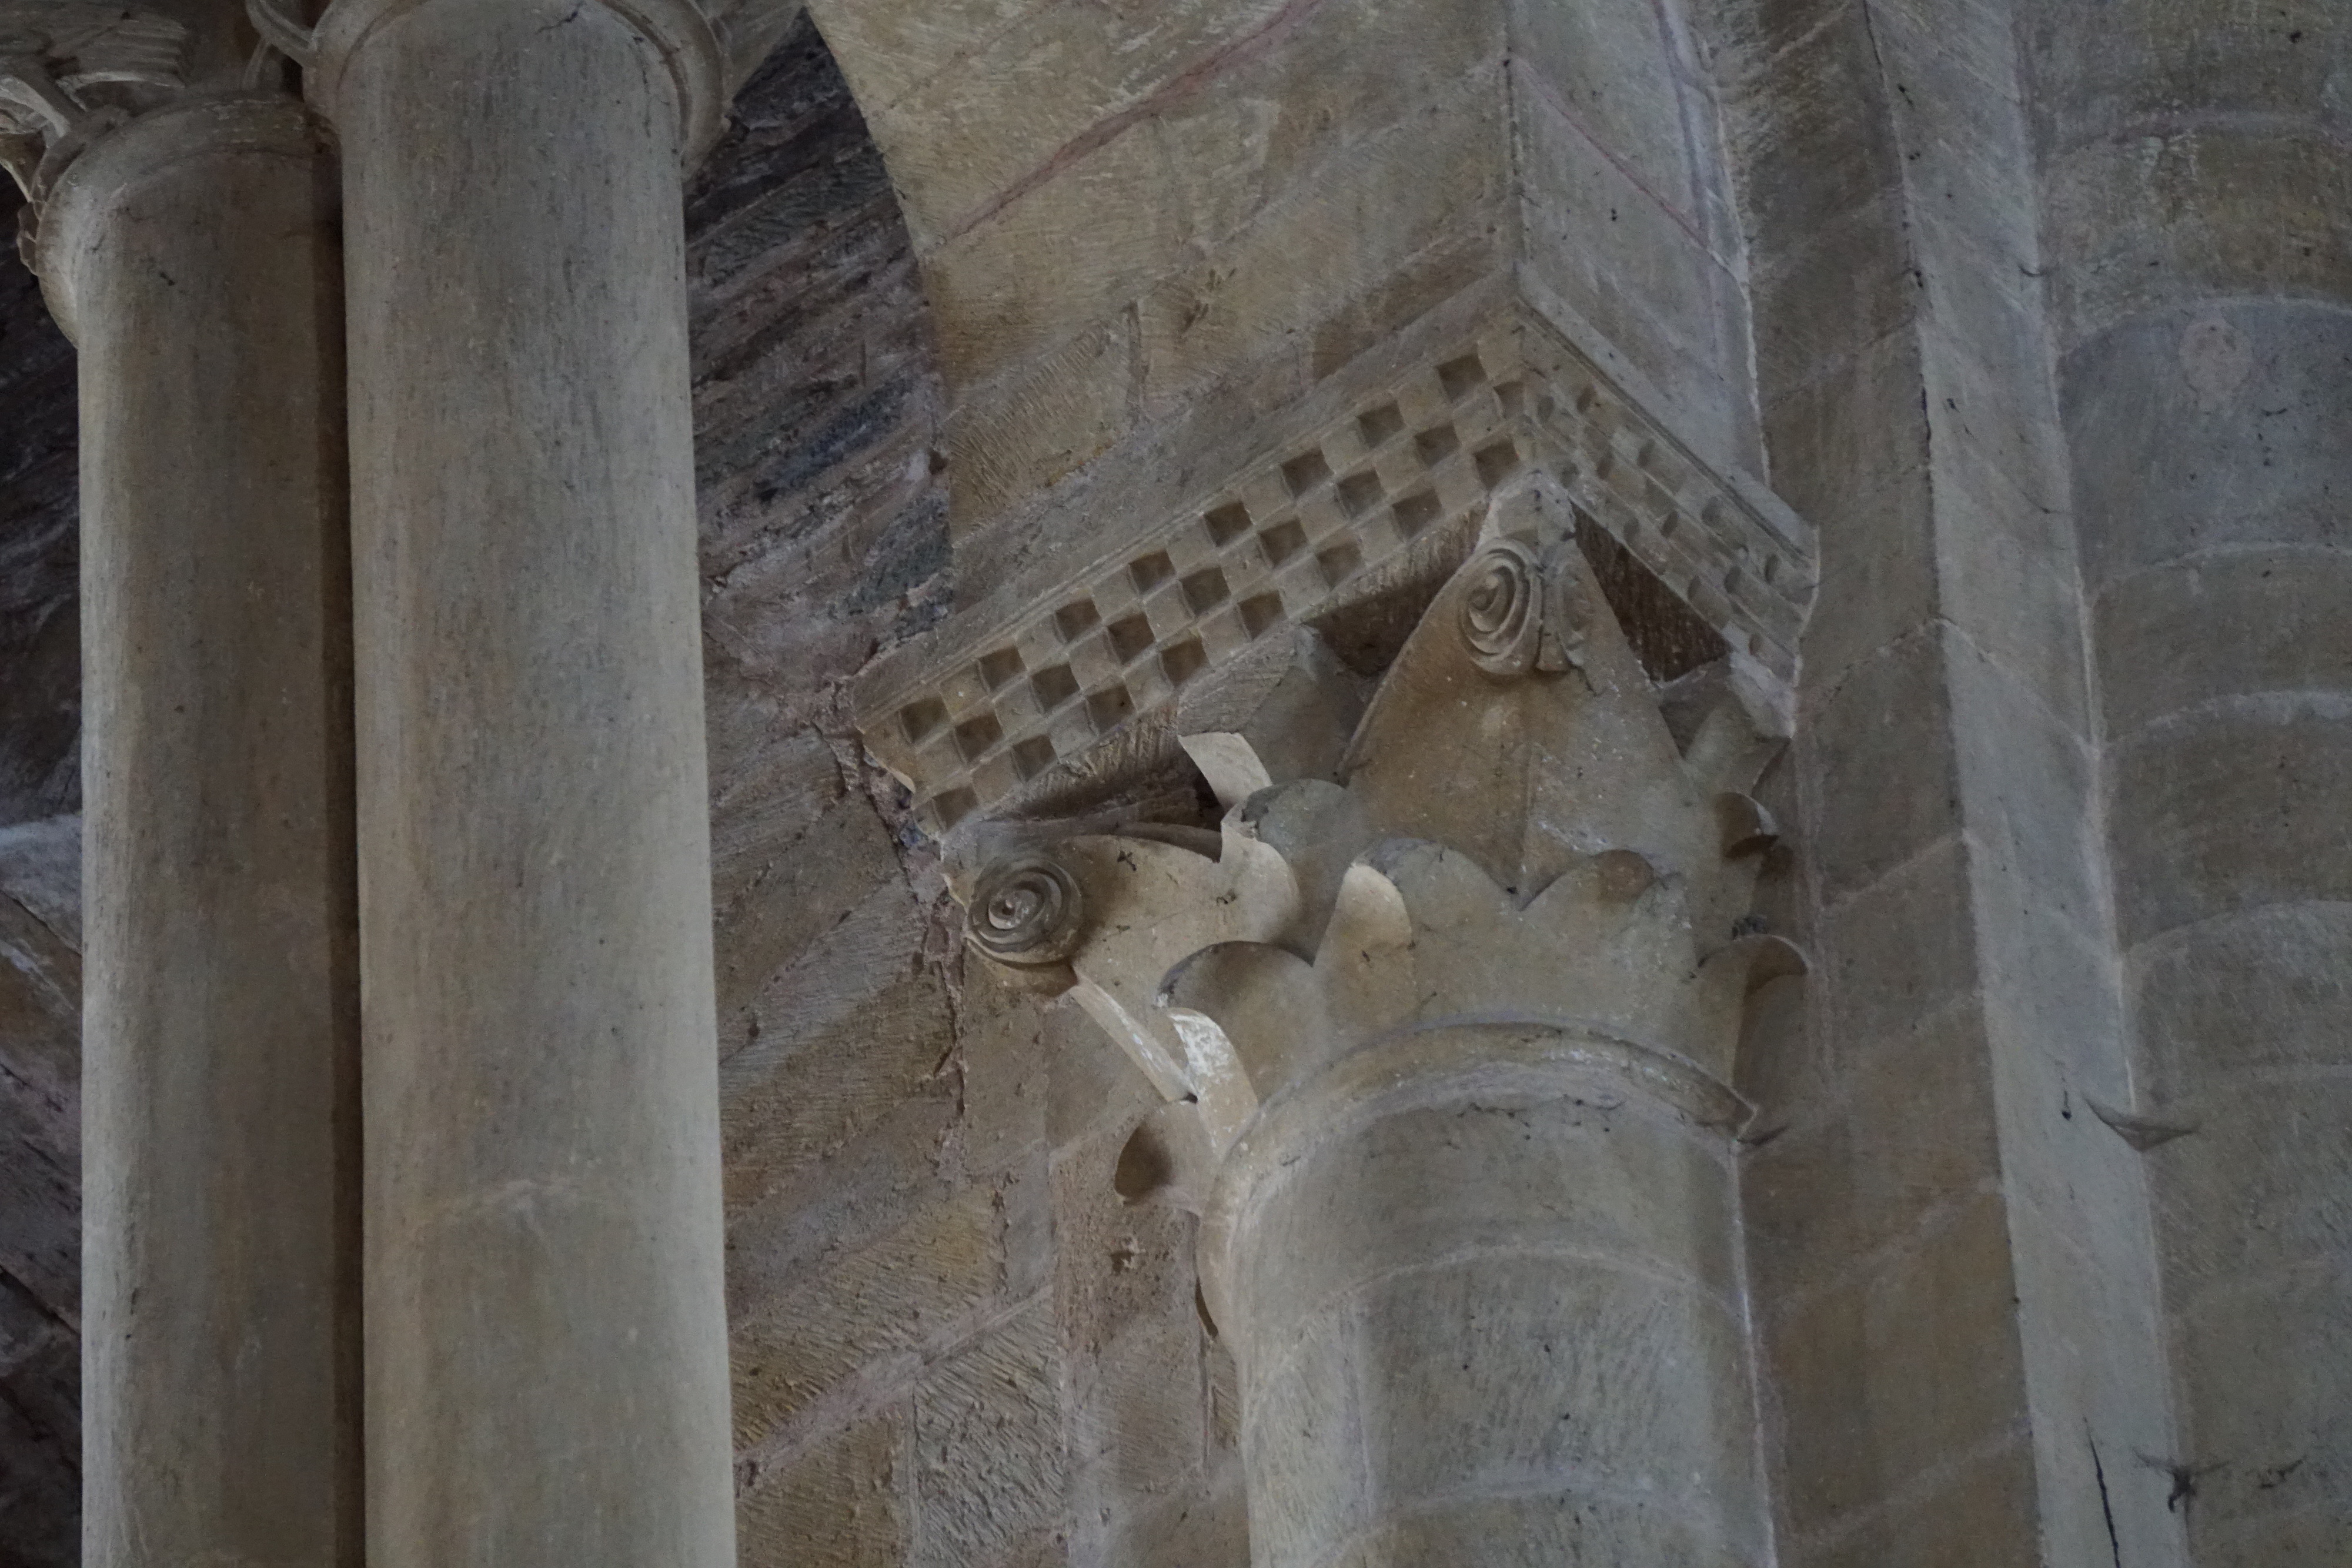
pixel 996 707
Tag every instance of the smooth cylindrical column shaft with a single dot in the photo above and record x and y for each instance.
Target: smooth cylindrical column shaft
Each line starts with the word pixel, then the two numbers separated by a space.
pixel 1489 1312
pixel 547 1353
pixel 196 258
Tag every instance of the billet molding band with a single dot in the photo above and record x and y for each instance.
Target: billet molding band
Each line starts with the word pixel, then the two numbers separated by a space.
pixel 995 702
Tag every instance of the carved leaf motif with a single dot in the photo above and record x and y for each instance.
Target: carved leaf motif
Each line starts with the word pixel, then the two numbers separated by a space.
pixel 1530 775
pixel 1520 837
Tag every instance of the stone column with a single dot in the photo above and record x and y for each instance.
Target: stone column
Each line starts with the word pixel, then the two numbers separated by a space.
pixel 2196 187
pixel 547 1349
pixel 1447 1039
pixel 1483 1284
pixel 192 255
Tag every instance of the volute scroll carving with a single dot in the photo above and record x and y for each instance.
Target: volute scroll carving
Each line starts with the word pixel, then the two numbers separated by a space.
pixel 1517 614
pixel 1028 911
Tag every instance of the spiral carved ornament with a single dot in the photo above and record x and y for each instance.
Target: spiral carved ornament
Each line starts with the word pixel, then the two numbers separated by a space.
pixel 1522 612
pixel 1027 911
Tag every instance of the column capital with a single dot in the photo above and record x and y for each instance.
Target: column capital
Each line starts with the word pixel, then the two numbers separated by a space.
pixel 77 189
pixel 70 72
pixel 1447 1028
pixel 1515 847
pixel 95 98
pixel 687 39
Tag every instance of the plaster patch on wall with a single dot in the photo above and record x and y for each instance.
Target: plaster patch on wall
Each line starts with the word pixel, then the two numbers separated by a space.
pixel 2215 360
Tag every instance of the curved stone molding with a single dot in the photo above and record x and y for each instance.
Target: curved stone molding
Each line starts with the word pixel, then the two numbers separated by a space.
pixel 1495 1062
pixel 57 58
pixel 691 48
pixel 751 29
pixel 1017 692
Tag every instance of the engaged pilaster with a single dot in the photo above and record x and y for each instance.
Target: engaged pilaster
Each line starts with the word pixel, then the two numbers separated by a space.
pixel 547 1353
pixel 1448 1038
pixel 187 237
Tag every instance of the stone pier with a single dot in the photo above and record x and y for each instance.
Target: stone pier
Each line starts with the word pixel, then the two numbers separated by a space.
pixel 2205 319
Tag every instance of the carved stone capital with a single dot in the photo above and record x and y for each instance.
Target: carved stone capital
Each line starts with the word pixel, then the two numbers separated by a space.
pixel 1483 666
pixel 71 70
pixel 689 41
pixel 79 199
pixel 96 99
pixel 1516 845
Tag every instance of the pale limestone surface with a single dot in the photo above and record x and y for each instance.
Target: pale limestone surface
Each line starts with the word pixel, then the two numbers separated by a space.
pixel 1178 161
pixel 195 255
pixel 1885 177
pixel 545 1340
pixel 2201 301
pixel 2038 1208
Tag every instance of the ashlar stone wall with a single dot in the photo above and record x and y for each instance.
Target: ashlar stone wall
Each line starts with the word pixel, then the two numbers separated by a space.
pixel 1809 238
pixel 953 1345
